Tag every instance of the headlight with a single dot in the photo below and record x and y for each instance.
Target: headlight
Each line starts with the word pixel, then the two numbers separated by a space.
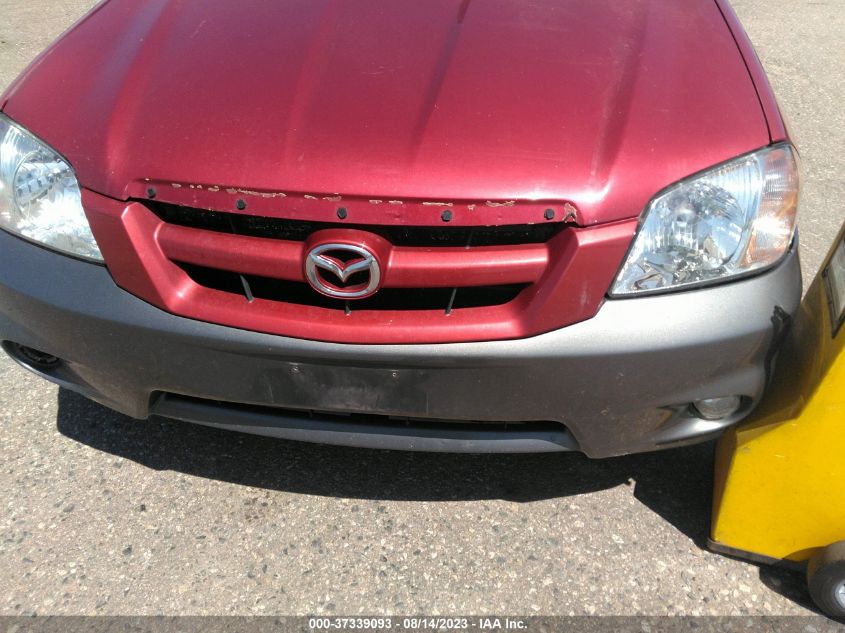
pixel 729 221
pixel 40 198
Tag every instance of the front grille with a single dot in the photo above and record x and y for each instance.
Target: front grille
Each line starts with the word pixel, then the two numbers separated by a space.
pixel 299 230
pixel 441 283
pixel 298 293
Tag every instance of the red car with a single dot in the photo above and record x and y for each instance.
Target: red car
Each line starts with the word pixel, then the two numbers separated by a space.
pixel 450 225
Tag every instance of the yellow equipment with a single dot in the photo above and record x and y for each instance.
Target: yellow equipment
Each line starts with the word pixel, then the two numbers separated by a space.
pixel 780 477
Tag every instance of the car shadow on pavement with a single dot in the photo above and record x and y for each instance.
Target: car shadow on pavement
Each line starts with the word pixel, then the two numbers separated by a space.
pixel 675 484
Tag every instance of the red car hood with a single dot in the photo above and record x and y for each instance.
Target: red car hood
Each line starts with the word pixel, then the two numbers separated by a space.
pixel 600 103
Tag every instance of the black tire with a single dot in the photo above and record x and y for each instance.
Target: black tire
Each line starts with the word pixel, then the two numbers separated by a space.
pixel 826 580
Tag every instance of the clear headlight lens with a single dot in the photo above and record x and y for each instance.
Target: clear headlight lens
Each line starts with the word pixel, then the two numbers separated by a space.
pixel 734 219
pixel 39 195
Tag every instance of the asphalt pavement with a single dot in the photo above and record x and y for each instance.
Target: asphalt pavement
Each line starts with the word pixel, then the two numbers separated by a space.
pixel 101 514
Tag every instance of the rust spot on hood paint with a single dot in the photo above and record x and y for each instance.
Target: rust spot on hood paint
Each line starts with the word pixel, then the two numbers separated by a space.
pixel 323 206
pixel 260 194
pixel 570 213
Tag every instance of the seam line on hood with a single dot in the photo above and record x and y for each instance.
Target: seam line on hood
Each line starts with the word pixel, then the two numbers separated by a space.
pixel 747 69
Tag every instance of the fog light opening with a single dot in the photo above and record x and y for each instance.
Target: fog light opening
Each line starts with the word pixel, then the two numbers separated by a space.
pixel 35 358
pixel 717 408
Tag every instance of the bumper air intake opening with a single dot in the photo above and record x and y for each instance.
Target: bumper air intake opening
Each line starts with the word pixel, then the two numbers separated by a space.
pixel 369 430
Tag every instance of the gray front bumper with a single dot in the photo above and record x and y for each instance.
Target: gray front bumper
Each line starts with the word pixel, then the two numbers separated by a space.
pixel 618 383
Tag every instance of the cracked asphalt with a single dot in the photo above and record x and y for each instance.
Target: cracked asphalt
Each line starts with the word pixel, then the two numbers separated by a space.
pixel 100 514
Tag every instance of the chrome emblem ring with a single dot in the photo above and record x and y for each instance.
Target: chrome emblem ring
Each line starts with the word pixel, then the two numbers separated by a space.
pixel 329 266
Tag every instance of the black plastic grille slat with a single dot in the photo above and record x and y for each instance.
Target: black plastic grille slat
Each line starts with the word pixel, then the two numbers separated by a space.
pixel 299 230
pixel 386 299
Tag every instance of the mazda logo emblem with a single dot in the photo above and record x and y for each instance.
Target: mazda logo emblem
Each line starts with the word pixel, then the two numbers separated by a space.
pixel 328 268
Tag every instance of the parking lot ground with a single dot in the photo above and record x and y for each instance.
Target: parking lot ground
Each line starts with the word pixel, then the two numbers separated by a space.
pixel 100 514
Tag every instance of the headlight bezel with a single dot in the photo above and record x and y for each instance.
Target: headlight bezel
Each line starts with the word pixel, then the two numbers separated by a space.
pixel 92 253
pixel 701 176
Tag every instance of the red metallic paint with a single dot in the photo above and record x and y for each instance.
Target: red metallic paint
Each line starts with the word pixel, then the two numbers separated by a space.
pixel 329 103
pixel 579 266
pixel 236 253
pixel 495 110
